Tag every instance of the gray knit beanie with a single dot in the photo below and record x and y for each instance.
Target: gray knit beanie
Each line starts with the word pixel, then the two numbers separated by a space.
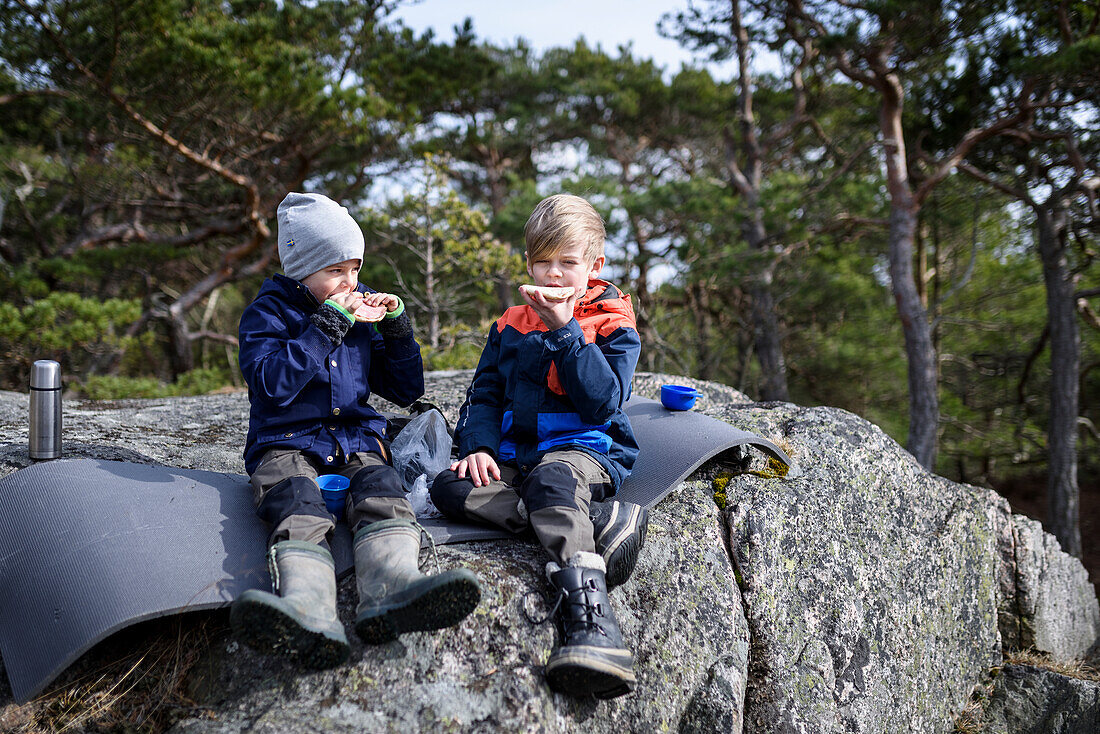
pixel 315 232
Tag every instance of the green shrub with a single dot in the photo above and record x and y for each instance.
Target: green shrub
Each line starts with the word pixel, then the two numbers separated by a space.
pixel 67 327
pixel 113 387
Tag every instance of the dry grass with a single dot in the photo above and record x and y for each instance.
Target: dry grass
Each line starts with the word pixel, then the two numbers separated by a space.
pixel 970 719
pixel 1070 669
pixel 136 681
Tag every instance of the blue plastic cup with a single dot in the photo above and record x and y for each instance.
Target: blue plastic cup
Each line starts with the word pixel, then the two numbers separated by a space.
pixel 678 397
pixel 334 488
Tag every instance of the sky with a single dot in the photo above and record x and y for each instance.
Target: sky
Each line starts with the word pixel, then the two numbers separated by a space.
pixel 609 23
pixel 550 23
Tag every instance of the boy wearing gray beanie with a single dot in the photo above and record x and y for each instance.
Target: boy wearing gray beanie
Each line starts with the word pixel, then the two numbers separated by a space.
pixel 314 345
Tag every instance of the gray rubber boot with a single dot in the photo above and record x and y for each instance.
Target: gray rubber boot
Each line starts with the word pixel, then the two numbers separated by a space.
pixel 298 621
pixel 394 597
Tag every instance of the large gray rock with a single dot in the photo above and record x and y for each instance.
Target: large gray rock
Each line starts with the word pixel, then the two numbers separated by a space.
pixel 1028 700
pixel 681 615
pixel 874 590
pixel 1053 609
pixel 874 594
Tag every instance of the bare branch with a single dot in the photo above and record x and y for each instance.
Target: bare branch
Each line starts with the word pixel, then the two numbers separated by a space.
pixel 187 152
pixel 795 10
pixel 134 231
pixel 976 135
pixel 226 272
pixel 737 176
pixel 843 218
pixel 798 115
pixel 214 336
pixel 1064 29
pixel 844 168
pixel 1029 362
pixel 1088 314
pixel 1015 193
pixel 25 93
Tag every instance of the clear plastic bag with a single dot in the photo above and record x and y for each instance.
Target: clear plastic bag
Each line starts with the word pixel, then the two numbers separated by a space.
pixel 420 451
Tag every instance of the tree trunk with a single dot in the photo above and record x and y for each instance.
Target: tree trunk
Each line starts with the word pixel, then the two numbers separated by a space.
pixel 765 321
pixel 643 299
pixel 179 337
pixel 699 302
pixel 924 406
pixel 430 288
pixel 502 284
pixel 643 305
pixel 747 180
pixel 1063 493
pixel 924 409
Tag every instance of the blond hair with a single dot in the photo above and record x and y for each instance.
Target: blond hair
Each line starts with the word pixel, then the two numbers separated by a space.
pixel 562 220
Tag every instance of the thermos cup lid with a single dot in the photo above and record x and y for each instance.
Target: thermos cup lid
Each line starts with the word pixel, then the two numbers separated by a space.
pixel 46 375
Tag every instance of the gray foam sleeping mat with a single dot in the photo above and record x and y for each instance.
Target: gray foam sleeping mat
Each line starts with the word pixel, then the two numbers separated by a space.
pixel 88 547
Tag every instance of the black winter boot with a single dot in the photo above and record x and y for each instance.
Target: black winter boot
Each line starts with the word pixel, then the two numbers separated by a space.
pixel 592 659
pixel 620 529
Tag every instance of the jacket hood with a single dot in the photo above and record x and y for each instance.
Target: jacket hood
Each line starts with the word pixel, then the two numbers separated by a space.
pixel 607 295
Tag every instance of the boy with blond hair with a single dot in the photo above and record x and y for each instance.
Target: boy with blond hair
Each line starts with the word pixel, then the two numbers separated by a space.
pixel 544 441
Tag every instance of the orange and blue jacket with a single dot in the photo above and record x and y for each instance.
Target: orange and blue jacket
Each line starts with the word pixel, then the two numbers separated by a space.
pixel 536 390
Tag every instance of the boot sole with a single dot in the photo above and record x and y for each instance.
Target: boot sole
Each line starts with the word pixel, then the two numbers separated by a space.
pixel 591 671
pixel 623 549
pixel 268 626
pixel 433 603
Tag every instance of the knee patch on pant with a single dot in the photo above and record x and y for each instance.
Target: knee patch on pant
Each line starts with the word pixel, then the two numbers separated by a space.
pixel 375 481
pixel 449 493
pixel 549 485
pixel 292 496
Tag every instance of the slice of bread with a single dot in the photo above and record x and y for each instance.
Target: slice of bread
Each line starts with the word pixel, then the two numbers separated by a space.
pixel 550 293
pixel 369 313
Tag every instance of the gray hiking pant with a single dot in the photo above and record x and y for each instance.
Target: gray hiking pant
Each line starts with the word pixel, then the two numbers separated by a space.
pixel 286 494
pixel 555 497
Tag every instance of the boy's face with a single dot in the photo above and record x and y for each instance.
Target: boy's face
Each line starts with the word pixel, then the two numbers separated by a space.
pixel 566 267
pixel 333 280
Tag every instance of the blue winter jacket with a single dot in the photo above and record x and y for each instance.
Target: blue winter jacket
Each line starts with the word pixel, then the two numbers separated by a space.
pixel 310 396
pixel 536 390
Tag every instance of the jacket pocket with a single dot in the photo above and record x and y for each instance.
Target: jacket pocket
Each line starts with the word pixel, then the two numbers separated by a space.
pixel 294 439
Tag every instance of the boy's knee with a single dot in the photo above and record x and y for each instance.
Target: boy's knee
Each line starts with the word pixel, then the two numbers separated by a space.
pixel 380 480
pixel 550 484
pixel 449 493
pixel 292 496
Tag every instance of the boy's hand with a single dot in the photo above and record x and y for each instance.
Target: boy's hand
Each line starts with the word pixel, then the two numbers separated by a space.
pixel 390 301
pixel 481 466
pixel 555 314
pixel 349 301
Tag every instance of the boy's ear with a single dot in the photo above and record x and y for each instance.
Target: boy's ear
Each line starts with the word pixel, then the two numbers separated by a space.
pixel 528 261
pixel 597 266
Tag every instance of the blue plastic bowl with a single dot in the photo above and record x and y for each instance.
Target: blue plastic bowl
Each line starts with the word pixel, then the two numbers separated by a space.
pixel 678 397
pixel 334 488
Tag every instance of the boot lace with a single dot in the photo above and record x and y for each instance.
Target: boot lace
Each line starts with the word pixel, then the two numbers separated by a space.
pixel 431 544
pixel 560 596
pixel 569 625
pixel 273 570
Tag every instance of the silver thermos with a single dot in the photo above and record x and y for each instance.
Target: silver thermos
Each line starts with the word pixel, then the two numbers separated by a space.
pixel 45 437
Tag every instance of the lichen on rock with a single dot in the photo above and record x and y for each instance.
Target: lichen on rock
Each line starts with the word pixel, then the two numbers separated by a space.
pixel 857 593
